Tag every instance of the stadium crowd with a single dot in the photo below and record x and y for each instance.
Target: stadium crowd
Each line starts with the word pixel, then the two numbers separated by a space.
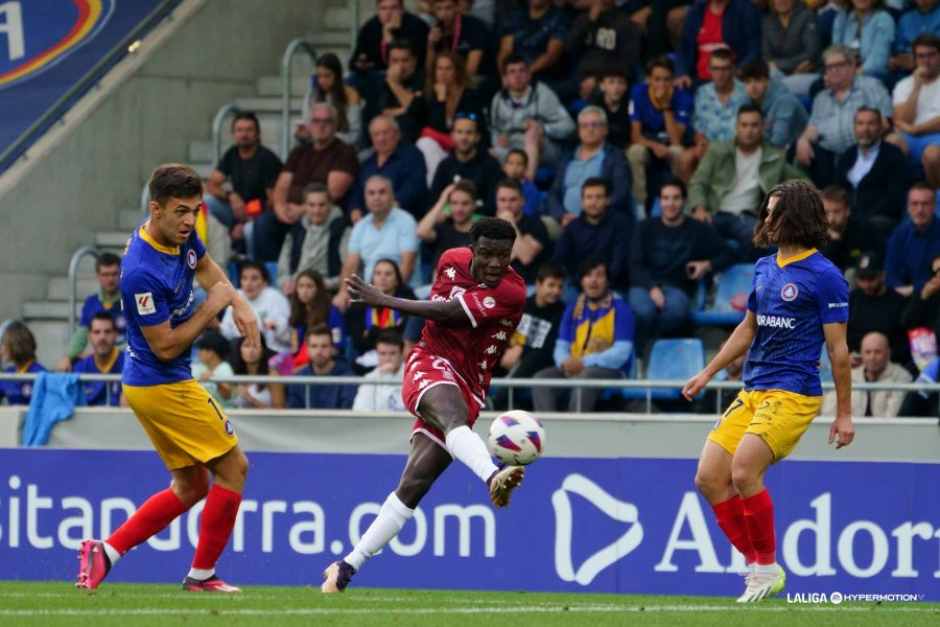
pixel 630 144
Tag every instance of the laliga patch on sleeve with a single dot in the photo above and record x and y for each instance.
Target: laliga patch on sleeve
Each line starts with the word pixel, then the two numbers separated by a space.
pixel 145 303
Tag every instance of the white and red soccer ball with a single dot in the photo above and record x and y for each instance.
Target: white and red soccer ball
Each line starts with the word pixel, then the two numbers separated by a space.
pixel 517 438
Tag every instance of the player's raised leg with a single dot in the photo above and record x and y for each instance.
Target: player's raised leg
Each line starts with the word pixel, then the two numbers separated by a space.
pixel 96 558
pixel 217 520
pixel 444 407
pixel 426 462
pixel 751 460
pixel 713 480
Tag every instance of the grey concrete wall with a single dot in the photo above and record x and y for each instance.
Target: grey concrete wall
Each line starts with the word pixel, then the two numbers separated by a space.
pixel 99 169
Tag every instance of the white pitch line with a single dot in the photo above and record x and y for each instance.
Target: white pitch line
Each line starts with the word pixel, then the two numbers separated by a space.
pixel 560 609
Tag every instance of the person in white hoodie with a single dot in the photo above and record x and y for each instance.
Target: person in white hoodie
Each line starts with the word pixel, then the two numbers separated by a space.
pixel 384 396
pixel 269 305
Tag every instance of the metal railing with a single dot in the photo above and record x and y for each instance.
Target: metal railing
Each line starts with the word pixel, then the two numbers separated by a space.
pixel 648 385
pixel 77 256
pixel 295 46
pixel 217 122
pixel 354 27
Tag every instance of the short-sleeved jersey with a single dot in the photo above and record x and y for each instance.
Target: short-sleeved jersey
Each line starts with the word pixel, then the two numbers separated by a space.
pixel 473 346
pixel 792 301
pixel 96 392
pixel 19 392
pixel 156 286
pixel 93 305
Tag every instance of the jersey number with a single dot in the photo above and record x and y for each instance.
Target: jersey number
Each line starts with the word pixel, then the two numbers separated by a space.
pixel 734 405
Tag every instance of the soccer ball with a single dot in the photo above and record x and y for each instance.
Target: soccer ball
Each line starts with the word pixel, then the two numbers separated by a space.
pixel 517 438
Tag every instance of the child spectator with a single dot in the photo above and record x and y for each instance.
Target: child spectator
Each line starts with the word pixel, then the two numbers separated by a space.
pixel 310 306
pixel 514 167
pixel 253 360
pixel 211 351
pixel 613 87
pixel 326 85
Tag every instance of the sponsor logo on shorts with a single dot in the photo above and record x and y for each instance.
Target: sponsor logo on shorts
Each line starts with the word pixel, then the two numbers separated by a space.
pixel 789 292
pixel 776 322
pixel 145 303
pixel 191 259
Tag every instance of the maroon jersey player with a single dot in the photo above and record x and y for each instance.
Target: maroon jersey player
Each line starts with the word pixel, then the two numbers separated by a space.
pixel 476 303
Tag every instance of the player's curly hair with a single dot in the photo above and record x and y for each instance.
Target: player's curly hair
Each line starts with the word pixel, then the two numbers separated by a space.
pixel 492 228
pixel 798 218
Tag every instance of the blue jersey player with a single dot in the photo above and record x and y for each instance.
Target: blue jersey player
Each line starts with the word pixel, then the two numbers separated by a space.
pixel 799 301
pixel 189 431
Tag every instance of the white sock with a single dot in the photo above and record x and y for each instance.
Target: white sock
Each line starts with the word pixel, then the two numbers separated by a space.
pixel 392 517
pixel 200 573
pixel 469 448
pixel 113 554
pixel 766 569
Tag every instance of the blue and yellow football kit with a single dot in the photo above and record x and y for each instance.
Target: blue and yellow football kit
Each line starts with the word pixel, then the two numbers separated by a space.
pixel 184 423
pixel 792 299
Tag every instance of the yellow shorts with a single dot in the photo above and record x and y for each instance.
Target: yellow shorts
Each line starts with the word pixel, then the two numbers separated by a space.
pixel 778 417
pixel 184 423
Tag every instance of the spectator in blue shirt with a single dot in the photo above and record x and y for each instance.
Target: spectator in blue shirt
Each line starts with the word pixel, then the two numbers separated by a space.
pixel 784 116
pixel 738 30
pixel 386 232
pixel 108 273
pixel 660 123
pixel 18 345
pixel 323 363
pixel 593 158
pixel 869 31
pixel 537 34
pixel 597 233
pixel 923 18
pixel 595 341
pixel 915 243
pixel 716 110
pixel 400 163
pixel 106 358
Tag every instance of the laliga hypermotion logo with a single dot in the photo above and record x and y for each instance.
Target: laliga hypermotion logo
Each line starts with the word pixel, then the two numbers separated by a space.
pixel 35 35
pixel 613 507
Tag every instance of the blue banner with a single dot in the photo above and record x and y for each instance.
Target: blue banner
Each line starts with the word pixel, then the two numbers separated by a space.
pixel 48 46
pixel 598 525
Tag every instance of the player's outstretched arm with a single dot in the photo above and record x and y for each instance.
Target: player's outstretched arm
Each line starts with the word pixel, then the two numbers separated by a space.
pixel 736 345
pixel 208 273
pixel 169 343
pixel 440 311
pixel 842 431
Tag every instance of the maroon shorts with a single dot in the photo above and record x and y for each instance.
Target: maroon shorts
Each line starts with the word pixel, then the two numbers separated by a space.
pixel 424 371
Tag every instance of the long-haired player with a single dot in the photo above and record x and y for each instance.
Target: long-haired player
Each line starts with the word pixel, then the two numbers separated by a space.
pixel 799 301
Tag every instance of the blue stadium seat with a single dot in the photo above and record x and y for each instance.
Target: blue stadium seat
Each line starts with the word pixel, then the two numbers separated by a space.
pixel 678 359
pixel 732 282
pixel 272 272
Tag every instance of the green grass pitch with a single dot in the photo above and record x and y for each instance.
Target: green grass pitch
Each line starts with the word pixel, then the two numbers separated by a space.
pixel 51 604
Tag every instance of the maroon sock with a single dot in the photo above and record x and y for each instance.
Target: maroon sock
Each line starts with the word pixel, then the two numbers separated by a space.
pixel 759 517
pixel 730 515
pixel 152 517
pixel 215 526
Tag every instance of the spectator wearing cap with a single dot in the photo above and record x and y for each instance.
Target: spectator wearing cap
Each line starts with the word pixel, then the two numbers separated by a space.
pixel 18 346
pixel 469 162
pixel 593 158
pixel 874 307
pixel 875 367
pixel 917 108
pixel 712 25
pixel 528 115
pixel 391 22
pixel 108 274
pixel 829 132
pixel 269 305
pixel 106 358
pixel 923 309
pixel 848 238
pixel 211 351
pixel 660 124
pixel 875 173
pixel 914 242
pixel 784 116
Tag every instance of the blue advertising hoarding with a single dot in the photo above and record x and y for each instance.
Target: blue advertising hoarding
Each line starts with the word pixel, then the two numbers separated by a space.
pixel 598 525
pixel 48 46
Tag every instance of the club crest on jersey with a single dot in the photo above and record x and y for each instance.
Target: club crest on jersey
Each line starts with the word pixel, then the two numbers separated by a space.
pixel 191 259
pixel 489 302
pixel 789 292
